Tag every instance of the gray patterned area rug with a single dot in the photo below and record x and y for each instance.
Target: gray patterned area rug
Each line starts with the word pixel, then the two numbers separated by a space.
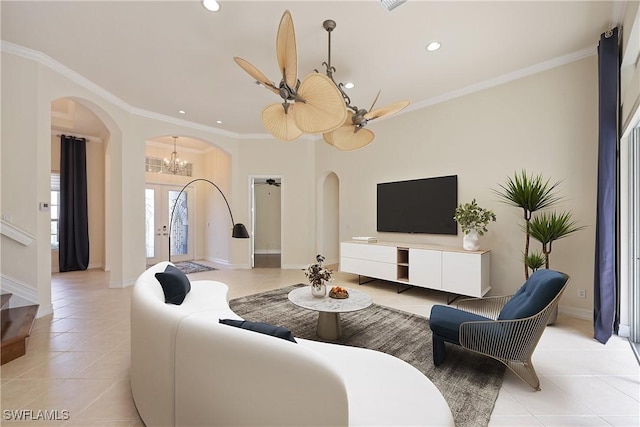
pixel 468 381
pixel 189 267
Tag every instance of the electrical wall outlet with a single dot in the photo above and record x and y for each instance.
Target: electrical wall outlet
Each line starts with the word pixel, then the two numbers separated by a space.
pixel 582 293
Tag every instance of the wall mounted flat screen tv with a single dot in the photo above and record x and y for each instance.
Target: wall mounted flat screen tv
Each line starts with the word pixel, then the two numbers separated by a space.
pixel 418 206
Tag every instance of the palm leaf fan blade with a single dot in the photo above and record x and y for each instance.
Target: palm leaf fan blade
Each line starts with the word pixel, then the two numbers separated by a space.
pixel 256 74
pixel 321 107
pixel 348 122
pixel 286 50
pixel 280 123
pixel 346 138
pixel 328 137
pixel 388 110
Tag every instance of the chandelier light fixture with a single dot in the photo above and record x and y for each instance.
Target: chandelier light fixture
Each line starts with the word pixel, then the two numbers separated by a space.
pixel 175 165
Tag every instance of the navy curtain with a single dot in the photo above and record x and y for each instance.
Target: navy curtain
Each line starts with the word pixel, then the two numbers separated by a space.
pixel 73 224
pixel 606 280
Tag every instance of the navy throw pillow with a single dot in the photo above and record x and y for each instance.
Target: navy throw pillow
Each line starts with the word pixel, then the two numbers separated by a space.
pixel 263 328
pixel 175 284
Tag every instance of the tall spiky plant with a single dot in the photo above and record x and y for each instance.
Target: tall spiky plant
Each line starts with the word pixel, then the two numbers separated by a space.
pixel 530 193
pixel 548 227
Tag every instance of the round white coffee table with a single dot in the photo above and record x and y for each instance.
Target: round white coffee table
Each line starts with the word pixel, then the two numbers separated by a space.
pixel 329 309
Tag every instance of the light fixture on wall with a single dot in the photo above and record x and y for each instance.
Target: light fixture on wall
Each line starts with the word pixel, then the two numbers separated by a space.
pixel 175 165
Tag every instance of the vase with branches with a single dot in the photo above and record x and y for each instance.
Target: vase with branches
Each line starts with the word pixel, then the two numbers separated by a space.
pixel 318 275
pixel 474 221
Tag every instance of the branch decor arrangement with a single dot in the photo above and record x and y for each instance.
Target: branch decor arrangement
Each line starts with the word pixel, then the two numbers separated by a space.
pixel 318 275
pixel 474 221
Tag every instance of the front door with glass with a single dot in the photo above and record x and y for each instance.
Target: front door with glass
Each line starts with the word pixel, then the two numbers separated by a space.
pixel 159 204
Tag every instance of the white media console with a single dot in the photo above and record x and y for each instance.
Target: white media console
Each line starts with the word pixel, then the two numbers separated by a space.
pixel 442 268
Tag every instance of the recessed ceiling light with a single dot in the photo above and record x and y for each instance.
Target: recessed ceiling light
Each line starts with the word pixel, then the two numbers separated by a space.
pixel 219 122
pixel 349 85
pixel 433 46
pixel 211 5
pixel 391 4
pixel 182 112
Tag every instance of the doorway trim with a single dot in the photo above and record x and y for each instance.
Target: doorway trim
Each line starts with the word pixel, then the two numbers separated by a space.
pixel 252 215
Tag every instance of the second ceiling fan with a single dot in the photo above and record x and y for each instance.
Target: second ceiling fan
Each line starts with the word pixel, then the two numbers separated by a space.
pixel 352 135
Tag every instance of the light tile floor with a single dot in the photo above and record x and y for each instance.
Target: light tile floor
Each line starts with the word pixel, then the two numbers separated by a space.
pixel 77 361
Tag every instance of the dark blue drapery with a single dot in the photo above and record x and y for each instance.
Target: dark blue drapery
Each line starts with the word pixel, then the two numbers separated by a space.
pixel 73 225
pixel 605 277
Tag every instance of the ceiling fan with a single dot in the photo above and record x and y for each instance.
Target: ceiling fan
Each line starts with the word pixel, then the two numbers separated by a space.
pixel 269 182
pixel 353 135
pixel 313 105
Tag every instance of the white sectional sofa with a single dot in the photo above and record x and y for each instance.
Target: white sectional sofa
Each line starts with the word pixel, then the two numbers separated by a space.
pixel 187 369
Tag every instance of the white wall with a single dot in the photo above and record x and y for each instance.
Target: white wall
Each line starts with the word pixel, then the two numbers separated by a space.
pixel 545 123
pixel 293 162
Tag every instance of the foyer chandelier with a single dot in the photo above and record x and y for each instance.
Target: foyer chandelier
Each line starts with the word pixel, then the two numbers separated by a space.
pixel 175 165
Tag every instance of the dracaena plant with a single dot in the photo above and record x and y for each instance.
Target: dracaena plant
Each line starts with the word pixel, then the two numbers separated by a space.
pixel 547 227
pixel 529 193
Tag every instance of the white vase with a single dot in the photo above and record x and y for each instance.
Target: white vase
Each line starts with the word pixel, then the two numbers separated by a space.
pixel 470 241
pixel 319 290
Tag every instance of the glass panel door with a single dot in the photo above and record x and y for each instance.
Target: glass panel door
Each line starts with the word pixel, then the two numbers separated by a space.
pixel 159 204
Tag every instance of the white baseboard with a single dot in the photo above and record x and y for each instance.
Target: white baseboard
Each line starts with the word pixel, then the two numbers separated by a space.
pixel 624 331
pixel 226 264
pixel 22 295
pixel 294 266
pixel 579 313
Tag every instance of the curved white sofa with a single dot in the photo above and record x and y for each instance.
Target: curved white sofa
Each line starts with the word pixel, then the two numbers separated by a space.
pixel 187 369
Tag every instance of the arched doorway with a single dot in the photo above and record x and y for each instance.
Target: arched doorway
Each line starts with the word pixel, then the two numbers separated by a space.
pixel 329 218
pixel 72 118
pixel 200 227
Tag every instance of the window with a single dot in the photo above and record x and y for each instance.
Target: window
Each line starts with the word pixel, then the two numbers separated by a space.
pixel 156 165
pixel 55 211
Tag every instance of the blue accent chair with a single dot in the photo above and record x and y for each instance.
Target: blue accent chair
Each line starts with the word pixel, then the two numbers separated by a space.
pixel 506 328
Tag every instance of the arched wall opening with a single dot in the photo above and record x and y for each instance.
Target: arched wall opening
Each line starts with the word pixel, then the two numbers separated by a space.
pixel 208 235
pixel 72 118
pixel 329 217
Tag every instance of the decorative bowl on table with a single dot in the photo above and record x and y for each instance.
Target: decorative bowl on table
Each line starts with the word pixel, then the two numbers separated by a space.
pixel 338 292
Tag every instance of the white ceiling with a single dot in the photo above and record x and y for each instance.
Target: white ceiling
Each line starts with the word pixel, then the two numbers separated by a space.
pixel 164 56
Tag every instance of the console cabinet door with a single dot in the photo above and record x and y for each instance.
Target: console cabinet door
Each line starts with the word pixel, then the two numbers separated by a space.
pixel 425 268
pixel 466 273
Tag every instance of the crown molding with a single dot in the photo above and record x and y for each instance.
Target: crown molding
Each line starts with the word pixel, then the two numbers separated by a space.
pixel 505 78
pixel 51 63
pixel 68 73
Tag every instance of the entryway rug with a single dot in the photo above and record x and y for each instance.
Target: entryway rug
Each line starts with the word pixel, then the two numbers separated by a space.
pixel 468 381
pixel 189 267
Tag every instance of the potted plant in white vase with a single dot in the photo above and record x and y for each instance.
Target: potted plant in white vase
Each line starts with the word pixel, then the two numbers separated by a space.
pixel 474 221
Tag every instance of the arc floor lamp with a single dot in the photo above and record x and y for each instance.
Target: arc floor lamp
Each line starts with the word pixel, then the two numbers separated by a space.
pixel 239 230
